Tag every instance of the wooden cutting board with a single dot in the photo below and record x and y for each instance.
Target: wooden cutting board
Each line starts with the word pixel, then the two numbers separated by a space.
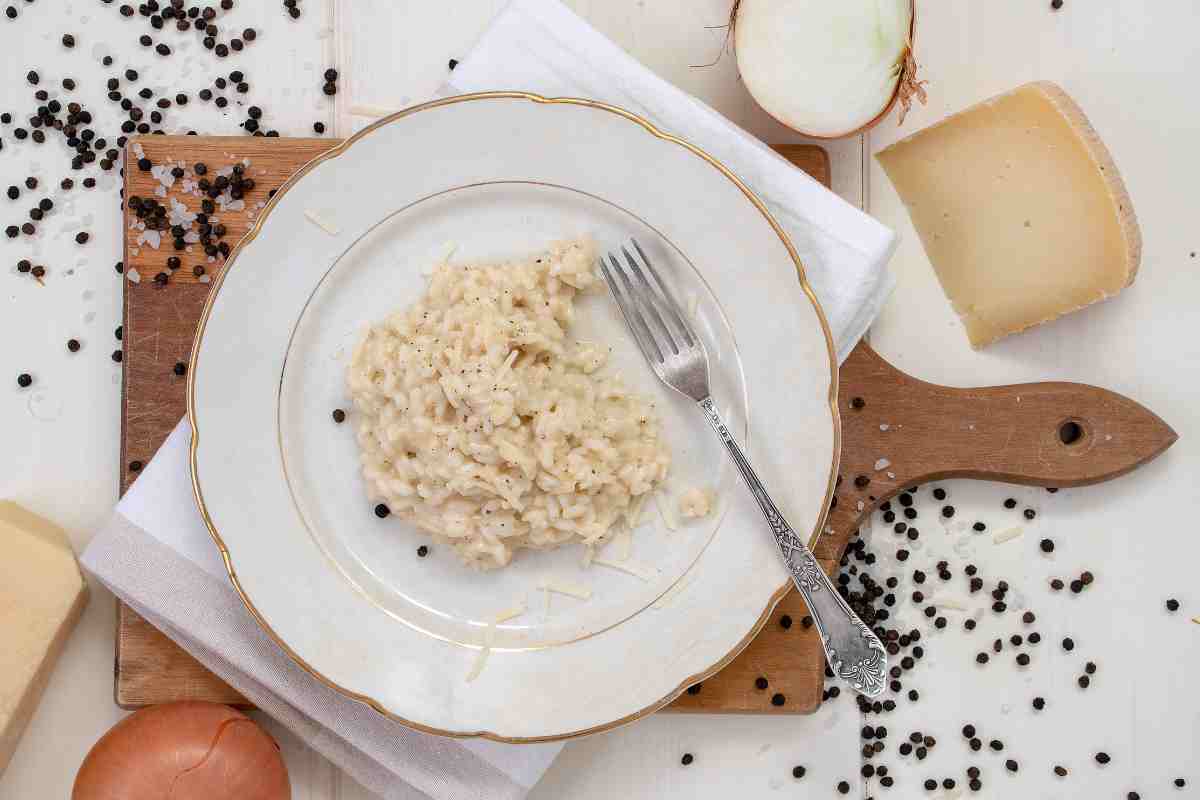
pixel 927 432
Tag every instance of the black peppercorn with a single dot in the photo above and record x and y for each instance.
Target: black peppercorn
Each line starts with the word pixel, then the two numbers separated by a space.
pixel 1023 659
pixel 688 758
pixel 778 699
pixel 423 551
pixel 1068 644
pixel 1172 604
pixel 24 380
pixel 1047 546
pixel 117 356
pixel 382 511
pixel 1039 703
pixel 785 622
pixel 82 237
pixel 798 772
pixel 180 368
pixel 73 345
pixel 1084 681
pixel 1102 757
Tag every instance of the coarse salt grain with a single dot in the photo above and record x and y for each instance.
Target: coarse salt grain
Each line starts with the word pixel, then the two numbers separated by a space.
pixel 882 463
pixel 133 275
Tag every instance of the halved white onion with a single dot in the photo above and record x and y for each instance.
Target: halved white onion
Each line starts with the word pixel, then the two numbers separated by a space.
pixel 827 68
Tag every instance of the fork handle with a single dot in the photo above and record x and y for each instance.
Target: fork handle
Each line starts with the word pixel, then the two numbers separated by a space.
pixel 854 651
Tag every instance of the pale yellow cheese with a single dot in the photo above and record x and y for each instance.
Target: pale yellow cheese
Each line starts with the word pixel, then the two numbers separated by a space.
pixel 42 594
pixel 1020 209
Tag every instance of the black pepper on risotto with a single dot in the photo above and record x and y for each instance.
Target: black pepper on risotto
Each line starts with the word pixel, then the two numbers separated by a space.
pixel 483 424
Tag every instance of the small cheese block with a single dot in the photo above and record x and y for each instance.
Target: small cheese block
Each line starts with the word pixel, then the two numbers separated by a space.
pixel 1020 209
pixel 42 595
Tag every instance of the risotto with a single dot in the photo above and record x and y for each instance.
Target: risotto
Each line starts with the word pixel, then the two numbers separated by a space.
pixel 481 422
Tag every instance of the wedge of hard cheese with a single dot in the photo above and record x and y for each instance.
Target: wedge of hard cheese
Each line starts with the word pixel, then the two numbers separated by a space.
pixel 42 594
pixel 1020 209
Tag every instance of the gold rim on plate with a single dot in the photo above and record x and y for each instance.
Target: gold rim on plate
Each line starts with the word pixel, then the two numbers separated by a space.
pixel 341 148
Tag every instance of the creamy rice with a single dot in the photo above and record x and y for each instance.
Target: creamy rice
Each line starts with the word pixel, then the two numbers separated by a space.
pixel 483 424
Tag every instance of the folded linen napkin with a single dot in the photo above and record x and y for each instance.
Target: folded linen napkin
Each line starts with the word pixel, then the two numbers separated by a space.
pixel 157 556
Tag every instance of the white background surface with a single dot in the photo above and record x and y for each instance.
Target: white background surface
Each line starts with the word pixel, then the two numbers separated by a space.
pixel 1129 65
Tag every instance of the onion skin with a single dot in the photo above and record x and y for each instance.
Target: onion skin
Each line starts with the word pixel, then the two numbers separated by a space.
pixel 184 751
pixel 887 109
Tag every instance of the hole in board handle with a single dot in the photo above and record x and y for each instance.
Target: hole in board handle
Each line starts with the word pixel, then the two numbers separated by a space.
pixel 1070 433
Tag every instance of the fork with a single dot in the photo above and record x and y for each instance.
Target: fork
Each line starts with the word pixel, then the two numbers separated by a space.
pixel 680 360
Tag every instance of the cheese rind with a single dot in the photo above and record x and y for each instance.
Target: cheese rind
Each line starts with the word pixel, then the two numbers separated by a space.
pixel 42 595
pixel 1020 209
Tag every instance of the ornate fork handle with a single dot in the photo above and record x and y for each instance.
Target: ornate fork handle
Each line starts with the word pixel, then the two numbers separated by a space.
pixel 853 650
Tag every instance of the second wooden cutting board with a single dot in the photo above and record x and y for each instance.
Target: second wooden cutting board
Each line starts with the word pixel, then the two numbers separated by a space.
pixel 1050 434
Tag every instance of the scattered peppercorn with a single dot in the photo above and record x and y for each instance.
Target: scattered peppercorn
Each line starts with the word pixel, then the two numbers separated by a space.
pixel 1172 604
pixel 73 345
pixel 798 772
pixel 778 699
pixel 688 758
pixel 1102 757
pixel 24 380
pixel 382 511
pixel 1047 546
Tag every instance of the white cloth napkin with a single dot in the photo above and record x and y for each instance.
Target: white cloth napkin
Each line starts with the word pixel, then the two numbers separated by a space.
pixel 156 555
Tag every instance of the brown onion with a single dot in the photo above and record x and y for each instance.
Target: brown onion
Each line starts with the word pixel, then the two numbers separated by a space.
pixel 184 751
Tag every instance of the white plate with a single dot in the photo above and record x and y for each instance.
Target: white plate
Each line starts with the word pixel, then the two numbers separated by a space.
pixel 278 483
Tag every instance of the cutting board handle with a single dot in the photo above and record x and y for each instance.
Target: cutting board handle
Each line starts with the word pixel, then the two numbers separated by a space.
pixel 898 431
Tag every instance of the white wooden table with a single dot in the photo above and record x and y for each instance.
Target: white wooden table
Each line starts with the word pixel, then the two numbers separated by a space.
pixel 1130 65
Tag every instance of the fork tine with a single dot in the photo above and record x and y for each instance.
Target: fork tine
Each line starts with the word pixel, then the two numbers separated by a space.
pixel 650 302
pixel 633 317
pixel 672 306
